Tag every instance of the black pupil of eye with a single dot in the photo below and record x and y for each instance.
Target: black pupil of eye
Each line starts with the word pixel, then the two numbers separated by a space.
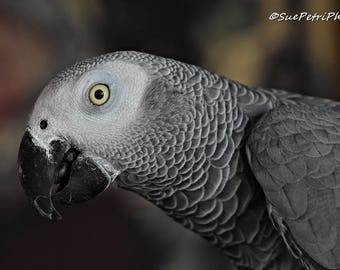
pixel 43 124
pixel 99 94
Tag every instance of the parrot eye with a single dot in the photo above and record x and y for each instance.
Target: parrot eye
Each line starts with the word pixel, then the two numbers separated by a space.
pixel 99 94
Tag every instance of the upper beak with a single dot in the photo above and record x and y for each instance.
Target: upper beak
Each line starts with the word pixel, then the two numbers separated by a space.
pixel 60 174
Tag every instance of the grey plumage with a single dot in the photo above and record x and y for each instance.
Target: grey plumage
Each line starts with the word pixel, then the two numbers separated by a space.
pixel 229 162
pixel 294 152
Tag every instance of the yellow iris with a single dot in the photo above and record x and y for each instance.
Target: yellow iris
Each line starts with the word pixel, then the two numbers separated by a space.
pixel 99 94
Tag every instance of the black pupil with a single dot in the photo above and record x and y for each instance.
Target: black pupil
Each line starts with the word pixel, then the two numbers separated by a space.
pixel 99 94
pixel 43 124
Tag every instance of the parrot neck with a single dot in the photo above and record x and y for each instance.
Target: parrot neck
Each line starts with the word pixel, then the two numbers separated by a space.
pixel 201 177
pixel 233 218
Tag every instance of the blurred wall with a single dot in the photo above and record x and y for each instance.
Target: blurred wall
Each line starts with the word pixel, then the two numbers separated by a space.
pixel 234 38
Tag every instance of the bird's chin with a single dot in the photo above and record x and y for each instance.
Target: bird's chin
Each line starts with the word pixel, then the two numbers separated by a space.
pixel 61 174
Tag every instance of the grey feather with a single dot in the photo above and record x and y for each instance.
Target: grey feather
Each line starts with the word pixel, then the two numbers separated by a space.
pixel 302 172
pixel 180 141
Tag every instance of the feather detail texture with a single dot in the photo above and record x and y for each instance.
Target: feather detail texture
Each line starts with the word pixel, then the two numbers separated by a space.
pixel 255 171
pixel 294 153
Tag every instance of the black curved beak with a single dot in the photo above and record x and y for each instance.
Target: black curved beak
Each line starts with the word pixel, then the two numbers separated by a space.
pixel 60 174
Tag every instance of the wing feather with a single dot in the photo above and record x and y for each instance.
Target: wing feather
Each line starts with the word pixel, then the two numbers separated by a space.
pixel 294 152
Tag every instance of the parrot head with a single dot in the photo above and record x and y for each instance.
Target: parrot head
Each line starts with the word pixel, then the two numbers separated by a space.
pixel 105 120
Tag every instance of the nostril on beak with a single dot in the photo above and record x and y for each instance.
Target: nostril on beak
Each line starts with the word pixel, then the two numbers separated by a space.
pixel 43 124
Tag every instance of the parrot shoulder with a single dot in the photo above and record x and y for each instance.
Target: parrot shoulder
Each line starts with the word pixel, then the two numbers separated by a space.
pixel 294 153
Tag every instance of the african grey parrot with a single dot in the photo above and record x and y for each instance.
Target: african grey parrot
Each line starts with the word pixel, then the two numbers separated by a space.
pixel 255 171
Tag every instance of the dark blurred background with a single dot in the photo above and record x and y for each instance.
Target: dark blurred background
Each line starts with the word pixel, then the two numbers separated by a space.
pixel 118 230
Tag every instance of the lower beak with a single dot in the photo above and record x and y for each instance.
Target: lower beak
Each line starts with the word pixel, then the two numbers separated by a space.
pixel 60 174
